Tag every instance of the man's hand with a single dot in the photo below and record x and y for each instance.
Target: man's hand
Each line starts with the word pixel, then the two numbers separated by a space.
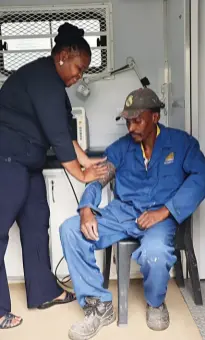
pixel 149 218
pixel 89 225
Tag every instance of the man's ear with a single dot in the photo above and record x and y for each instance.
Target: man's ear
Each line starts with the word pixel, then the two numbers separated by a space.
pixel 155 117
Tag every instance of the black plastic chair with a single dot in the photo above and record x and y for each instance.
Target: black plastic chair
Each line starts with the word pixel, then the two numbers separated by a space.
pixel 125 249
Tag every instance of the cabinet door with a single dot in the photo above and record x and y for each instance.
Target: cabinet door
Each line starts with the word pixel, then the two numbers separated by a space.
pixel 63 205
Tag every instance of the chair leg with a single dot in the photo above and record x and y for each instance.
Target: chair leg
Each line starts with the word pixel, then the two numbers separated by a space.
pixel 106 273
pixel 193 272
pixel 123 271
pixel 178 270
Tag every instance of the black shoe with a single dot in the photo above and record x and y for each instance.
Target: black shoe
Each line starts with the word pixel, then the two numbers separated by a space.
pixel 68 298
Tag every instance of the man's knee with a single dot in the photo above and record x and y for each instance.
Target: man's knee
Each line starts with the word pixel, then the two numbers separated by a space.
pixel 156 254
pixel 69 228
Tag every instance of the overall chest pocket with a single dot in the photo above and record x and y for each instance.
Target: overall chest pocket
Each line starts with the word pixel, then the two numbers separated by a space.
pixel 171 174
pixel 166 170
pixel 168 178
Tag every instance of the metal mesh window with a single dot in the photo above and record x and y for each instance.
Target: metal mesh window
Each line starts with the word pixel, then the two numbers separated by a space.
pixel 28 33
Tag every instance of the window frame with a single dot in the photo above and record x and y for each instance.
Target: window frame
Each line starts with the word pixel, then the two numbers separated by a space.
pixel 21 16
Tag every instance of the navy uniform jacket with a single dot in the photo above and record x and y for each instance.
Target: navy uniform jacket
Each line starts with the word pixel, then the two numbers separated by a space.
pixel 175 177
pixel 35 106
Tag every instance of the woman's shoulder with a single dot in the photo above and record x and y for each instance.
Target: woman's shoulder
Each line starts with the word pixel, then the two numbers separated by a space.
pixel 41 65
pixel 42 73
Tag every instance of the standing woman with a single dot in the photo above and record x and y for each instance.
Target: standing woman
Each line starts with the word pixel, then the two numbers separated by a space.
pixel 35 113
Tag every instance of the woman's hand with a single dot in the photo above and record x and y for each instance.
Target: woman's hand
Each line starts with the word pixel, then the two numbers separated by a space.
pixel 95 172
pixel 94 161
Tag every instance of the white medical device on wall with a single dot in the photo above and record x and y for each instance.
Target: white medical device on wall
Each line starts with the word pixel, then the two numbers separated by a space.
pixel 81 127
pixel 83 90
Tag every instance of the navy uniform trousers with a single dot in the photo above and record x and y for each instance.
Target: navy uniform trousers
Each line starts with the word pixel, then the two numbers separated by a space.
pixel 23 199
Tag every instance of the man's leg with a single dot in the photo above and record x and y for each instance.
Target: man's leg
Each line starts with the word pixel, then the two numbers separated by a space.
pixel 156 258
pixel 86 277
pixel 41 285
pixel 79 254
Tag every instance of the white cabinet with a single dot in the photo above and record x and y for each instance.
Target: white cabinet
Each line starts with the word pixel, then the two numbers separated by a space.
pixel 63 205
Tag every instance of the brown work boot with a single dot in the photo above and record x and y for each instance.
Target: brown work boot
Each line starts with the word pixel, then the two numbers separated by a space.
pixel 97 315
pixel 157 318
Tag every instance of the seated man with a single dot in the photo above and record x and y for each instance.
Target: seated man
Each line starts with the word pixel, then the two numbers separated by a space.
pixel 159 181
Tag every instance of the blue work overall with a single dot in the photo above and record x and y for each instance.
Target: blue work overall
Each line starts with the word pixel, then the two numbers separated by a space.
pixel 175 178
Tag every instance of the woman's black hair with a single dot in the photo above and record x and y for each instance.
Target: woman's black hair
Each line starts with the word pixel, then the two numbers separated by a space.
pixel 70 36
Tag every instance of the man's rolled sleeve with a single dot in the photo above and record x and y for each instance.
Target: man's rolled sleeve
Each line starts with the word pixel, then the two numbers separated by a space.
pixel 192 191
pixel 91 197
pixel 173 211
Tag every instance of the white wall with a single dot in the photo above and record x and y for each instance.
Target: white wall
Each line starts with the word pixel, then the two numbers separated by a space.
pixel 175 44
pixel 201 116
pixel 138 32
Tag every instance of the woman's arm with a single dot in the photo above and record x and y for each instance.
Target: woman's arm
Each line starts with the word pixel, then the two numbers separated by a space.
pixel 83 159
pixel 48 99
pixel 81 155
pixel 74 168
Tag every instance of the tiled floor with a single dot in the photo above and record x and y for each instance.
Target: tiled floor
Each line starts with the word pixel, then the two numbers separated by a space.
pixel 53 324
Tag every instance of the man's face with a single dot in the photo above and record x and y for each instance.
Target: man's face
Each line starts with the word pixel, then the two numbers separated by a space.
pixel 141 126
